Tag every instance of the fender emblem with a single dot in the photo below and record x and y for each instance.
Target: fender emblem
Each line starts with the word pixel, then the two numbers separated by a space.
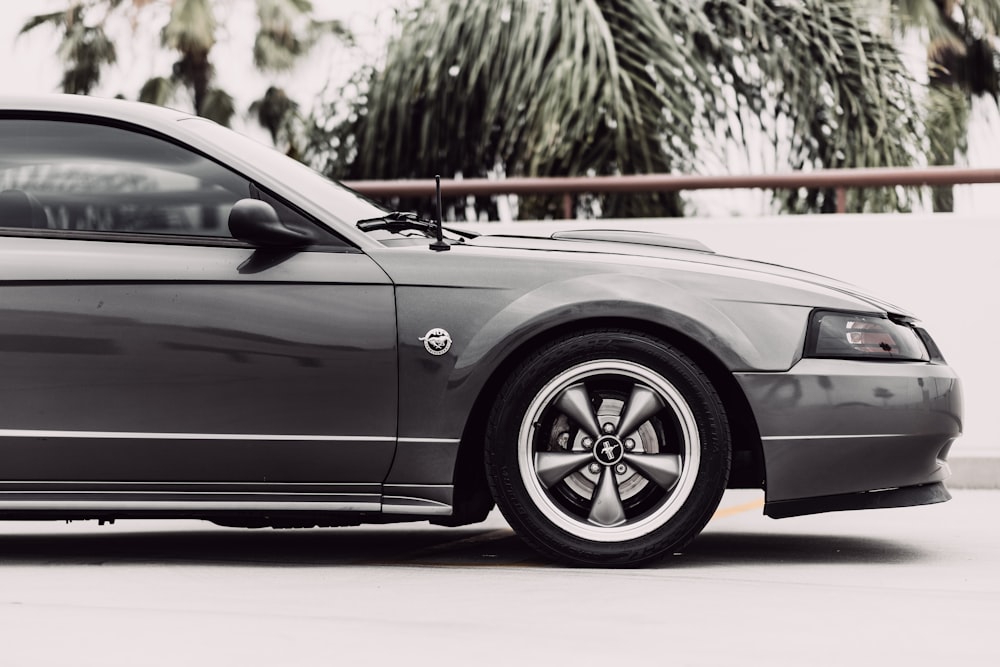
pixel 436 341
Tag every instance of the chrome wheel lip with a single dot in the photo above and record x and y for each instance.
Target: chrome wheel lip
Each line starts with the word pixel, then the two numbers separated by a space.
pixel 675 496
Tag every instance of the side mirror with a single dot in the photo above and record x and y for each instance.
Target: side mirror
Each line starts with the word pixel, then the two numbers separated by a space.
pixel 256 222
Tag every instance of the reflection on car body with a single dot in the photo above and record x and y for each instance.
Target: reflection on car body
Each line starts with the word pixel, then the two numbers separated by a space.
pixel 194 325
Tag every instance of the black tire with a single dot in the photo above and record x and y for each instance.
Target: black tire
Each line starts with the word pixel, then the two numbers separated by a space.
pixel 607 448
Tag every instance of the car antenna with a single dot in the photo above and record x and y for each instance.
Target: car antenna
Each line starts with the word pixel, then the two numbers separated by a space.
pixel 439 244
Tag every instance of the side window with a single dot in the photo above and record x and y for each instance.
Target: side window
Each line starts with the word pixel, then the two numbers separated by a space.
pixel 95 178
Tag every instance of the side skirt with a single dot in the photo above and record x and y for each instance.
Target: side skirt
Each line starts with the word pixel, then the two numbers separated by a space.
pixel 74 500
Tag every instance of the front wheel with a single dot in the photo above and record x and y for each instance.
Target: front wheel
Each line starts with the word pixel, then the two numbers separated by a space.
pixel 608 448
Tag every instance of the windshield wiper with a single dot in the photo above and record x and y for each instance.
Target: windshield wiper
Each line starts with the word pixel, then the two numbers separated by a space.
pixel 396 222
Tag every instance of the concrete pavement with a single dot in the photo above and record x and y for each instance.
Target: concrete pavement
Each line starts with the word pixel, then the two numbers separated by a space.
pixel 917 586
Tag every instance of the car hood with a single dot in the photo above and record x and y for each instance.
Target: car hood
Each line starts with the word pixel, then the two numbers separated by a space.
pixel 615 244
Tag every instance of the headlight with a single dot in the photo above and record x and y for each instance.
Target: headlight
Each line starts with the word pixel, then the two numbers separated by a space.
pixel 838 335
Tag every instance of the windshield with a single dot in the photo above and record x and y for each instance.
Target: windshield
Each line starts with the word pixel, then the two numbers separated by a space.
pixel 334 199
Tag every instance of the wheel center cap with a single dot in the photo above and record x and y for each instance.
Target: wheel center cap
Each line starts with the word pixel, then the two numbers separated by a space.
pixel 609 450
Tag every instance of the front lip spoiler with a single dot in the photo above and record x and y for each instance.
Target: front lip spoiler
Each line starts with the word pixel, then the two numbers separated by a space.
pixel 907 496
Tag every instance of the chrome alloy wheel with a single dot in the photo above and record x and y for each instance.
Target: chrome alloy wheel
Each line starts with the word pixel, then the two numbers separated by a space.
pixel 609 450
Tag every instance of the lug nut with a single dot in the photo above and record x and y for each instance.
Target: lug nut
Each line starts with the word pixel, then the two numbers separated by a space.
pixel 594 468
pixel 630 444
pixel 620 468
pixel 608 428
pixel 588 443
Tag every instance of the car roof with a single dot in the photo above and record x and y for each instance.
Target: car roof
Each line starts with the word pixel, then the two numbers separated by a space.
pixel 140 113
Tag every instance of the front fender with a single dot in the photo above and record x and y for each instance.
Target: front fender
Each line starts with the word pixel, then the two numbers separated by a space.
pixel 437 393
pixel 605 296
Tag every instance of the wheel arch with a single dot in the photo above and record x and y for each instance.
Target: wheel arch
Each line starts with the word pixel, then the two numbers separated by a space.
pixel 747 467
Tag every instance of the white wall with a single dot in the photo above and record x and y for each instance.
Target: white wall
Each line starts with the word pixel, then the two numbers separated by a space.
pixel 943 268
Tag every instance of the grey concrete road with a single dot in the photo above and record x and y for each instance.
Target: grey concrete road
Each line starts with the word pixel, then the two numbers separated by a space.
pixel 917 586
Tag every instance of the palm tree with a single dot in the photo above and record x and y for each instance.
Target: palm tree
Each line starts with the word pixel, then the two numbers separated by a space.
pixel 190 32
pixel 279 115
pixel 576 87
pixel 84 48
pixel 286 32
pixel 962 63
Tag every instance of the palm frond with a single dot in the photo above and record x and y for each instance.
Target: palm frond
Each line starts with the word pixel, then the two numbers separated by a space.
pixel 287 32
pixel 963 60
pixel 85 50
pixel 932 16
pixel 947 133
pixel 158 90
pixel 573 87
pixel 316 30
pixel 985 14
pixel 191 27
pixel 57 19
pixel 218 106
pixel 527 88
pixel 273 111
pixel 827 90
pixel 84 47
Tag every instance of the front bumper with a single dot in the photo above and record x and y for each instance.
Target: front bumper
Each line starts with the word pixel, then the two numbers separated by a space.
pixel 833 428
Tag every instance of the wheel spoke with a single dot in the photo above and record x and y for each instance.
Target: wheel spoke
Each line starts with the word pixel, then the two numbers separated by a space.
pixel 642 404
pixel 553 467
pixel 575 404
pixel 663 469
pixel 607 509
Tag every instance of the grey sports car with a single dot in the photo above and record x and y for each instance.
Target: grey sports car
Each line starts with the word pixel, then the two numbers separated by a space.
pixel 193 325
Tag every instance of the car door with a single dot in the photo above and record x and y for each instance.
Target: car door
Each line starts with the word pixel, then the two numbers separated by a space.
pixel 148 357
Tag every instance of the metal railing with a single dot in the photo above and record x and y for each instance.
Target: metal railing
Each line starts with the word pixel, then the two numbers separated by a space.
pixel 839 179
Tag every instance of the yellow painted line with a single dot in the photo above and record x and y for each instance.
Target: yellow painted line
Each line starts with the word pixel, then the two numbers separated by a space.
pixel 738 509
pixel 519 564
pixel 487 536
